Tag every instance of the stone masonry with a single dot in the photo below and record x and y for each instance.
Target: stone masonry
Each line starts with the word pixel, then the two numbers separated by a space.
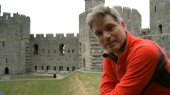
pixel 21 52
pixel 15 44
pixel 54 54
pixel 90 49
pixel 159 30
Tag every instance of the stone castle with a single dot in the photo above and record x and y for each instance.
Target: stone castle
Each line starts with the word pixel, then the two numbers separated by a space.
pixel 21 52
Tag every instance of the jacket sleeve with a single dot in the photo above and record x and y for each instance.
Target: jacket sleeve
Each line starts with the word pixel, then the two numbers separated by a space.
pixel 109 80
pixel 141 64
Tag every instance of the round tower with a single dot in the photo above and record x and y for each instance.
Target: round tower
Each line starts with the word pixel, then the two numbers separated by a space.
pixel 92 3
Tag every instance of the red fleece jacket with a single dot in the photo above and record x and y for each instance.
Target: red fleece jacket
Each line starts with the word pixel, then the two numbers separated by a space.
pixel 133 70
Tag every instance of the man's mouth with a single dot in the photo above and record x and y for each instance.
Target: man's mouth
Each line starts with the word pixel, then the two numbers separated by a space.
pixel 111 44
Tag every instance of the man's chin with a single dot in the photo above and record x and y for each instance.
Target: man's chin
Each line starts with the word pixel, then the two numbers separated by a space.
pixel 112 49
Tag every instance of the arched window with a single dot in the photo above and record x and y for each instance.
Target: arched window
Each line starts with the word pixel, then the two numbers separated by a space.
pixel 84 63
pixel 55 68
pixel 35 49
pixel 42 67
pixel 35 68
pixel 68 68
pixel 48 68
pixel 80 47
pixel 60 68
pixel 6 70
pixel 54 51
pixel 73 51
pixel 68 51
pixel 160 29
pixel 3 43
pixel 6 60
pixel 43 51
pixel 62 49
pixel 155 8
pixel 73 68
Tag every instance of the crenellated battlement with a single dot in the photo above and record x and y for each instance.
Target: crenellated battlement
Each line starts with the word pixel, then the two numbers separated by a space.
pixel 40 36
pixel 49 35
pixel 59 36
pixel 31 36
pixel 70 35
pixel 132 18
pixel 145 31
pixel 5 14
pixel 15 17
pixel 52 37
pixel 132 13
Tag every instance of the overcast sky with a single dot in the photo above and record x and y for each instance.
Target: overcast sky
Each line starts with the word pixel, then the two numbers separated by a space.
pixel 61 16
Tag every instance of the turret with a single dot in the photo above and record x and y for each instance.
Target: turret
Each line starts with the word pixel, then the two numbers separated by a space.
pixel 92 3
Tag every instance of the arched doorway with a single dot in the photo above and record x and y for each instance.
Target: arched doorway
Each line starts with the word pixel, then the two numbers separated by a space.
pixel 35 49
pixel 6 70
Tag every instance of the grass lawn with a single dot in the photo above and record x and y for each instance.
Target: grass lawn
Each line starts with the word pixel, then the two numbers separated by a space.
pixel 77 84
pixel 30 77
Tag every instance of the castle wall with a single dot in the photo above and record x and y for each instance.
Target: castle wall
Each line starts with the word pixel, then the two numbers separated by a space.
pixel 162 39
pixel 159 24
pixel 159 16
pixel 145 31
pixel 12 43
pixel 21 52
pixel 54 54
pixel 84 42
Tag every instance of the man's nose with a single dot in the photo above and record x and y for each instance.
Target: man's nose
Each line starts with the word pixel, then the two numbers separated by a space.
pixel 107 35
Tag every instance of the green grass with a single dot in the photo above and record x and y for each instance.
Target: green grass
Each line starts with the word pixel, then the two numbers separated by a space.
pixel 75 84
pixel 29 77
pixel 92 81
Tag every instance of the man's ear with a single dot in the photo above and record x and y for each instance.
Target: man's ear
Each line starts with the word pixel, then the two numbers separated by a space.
pixel 123 23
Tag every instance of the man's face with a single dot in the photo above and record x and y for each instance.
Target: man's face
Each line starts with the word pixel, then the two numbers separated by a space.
pixel 110 34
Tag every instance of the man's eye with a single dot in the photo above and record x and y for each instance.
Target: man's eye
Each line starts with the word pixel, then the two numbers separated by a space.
pixel 98 34
pixel 110 28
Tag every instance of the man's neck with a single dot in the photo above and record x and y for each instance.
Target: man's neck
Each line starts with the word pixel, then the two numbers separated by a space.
pixel 122 49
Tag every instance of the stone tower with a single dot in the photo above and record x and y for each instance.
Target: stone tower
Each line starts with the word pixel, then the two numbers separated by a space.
pixel 132 18
pixel 90 51
pixel 159 16
pixel 15 44
pixel 159 24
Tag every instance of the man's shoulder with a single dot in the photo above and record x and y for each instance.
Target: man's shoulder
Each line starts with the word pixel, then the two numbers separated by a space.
pixel 144 43
pixel 145 46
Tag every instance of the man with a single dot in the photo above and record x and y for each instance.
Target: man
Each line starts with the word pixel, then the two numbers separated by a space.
pixel 129 62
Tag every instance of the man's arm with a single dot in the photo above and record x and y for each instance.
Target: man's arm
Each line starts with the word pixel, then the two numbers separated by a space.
pixel 109 80
pixel 141 65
